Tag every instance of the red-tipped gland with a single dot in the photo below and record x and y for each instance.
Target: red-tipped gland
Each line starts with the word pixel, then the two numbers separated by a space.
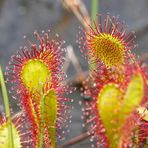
pixel 22 135
pixel 108 41
pixel 112 112
pixel 37 75
pixel 32 67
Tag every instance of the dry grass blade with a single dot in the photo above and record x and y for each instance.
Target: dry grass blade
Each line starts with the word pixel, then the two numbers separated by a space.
pixel 79 9
pixel 71 57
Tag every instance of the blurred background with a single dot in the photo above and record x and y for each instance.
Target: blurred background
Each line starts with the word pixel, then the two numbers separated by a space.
pixel 19 18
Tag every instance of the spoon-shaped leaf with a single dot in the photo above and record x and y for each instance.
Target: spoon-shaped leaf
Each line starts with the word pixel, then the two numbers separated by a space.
pixel 4 136
pixel 134 93
pixel 50 115
pixel 109 102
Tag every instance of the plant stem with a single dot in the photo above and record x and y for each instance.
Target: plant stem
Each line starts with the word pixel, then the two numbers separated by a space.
pixel 7 109
pixel 75 140
pixel 94 11
pixel 42 122
pixel 94 8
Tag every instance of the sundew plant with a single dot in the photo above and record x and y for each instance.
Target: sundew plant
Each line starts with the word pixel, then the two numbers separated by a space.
pixel 114 90
pixel 35 74
pixel 119 86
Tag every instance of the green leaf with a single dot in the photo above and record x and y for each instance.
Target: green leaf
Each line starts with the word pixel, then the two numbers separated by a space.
pixel 114 107
pixel 134 94
pixel 41 134
pixel 4 136
pixel 50 115
pixel 109 102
